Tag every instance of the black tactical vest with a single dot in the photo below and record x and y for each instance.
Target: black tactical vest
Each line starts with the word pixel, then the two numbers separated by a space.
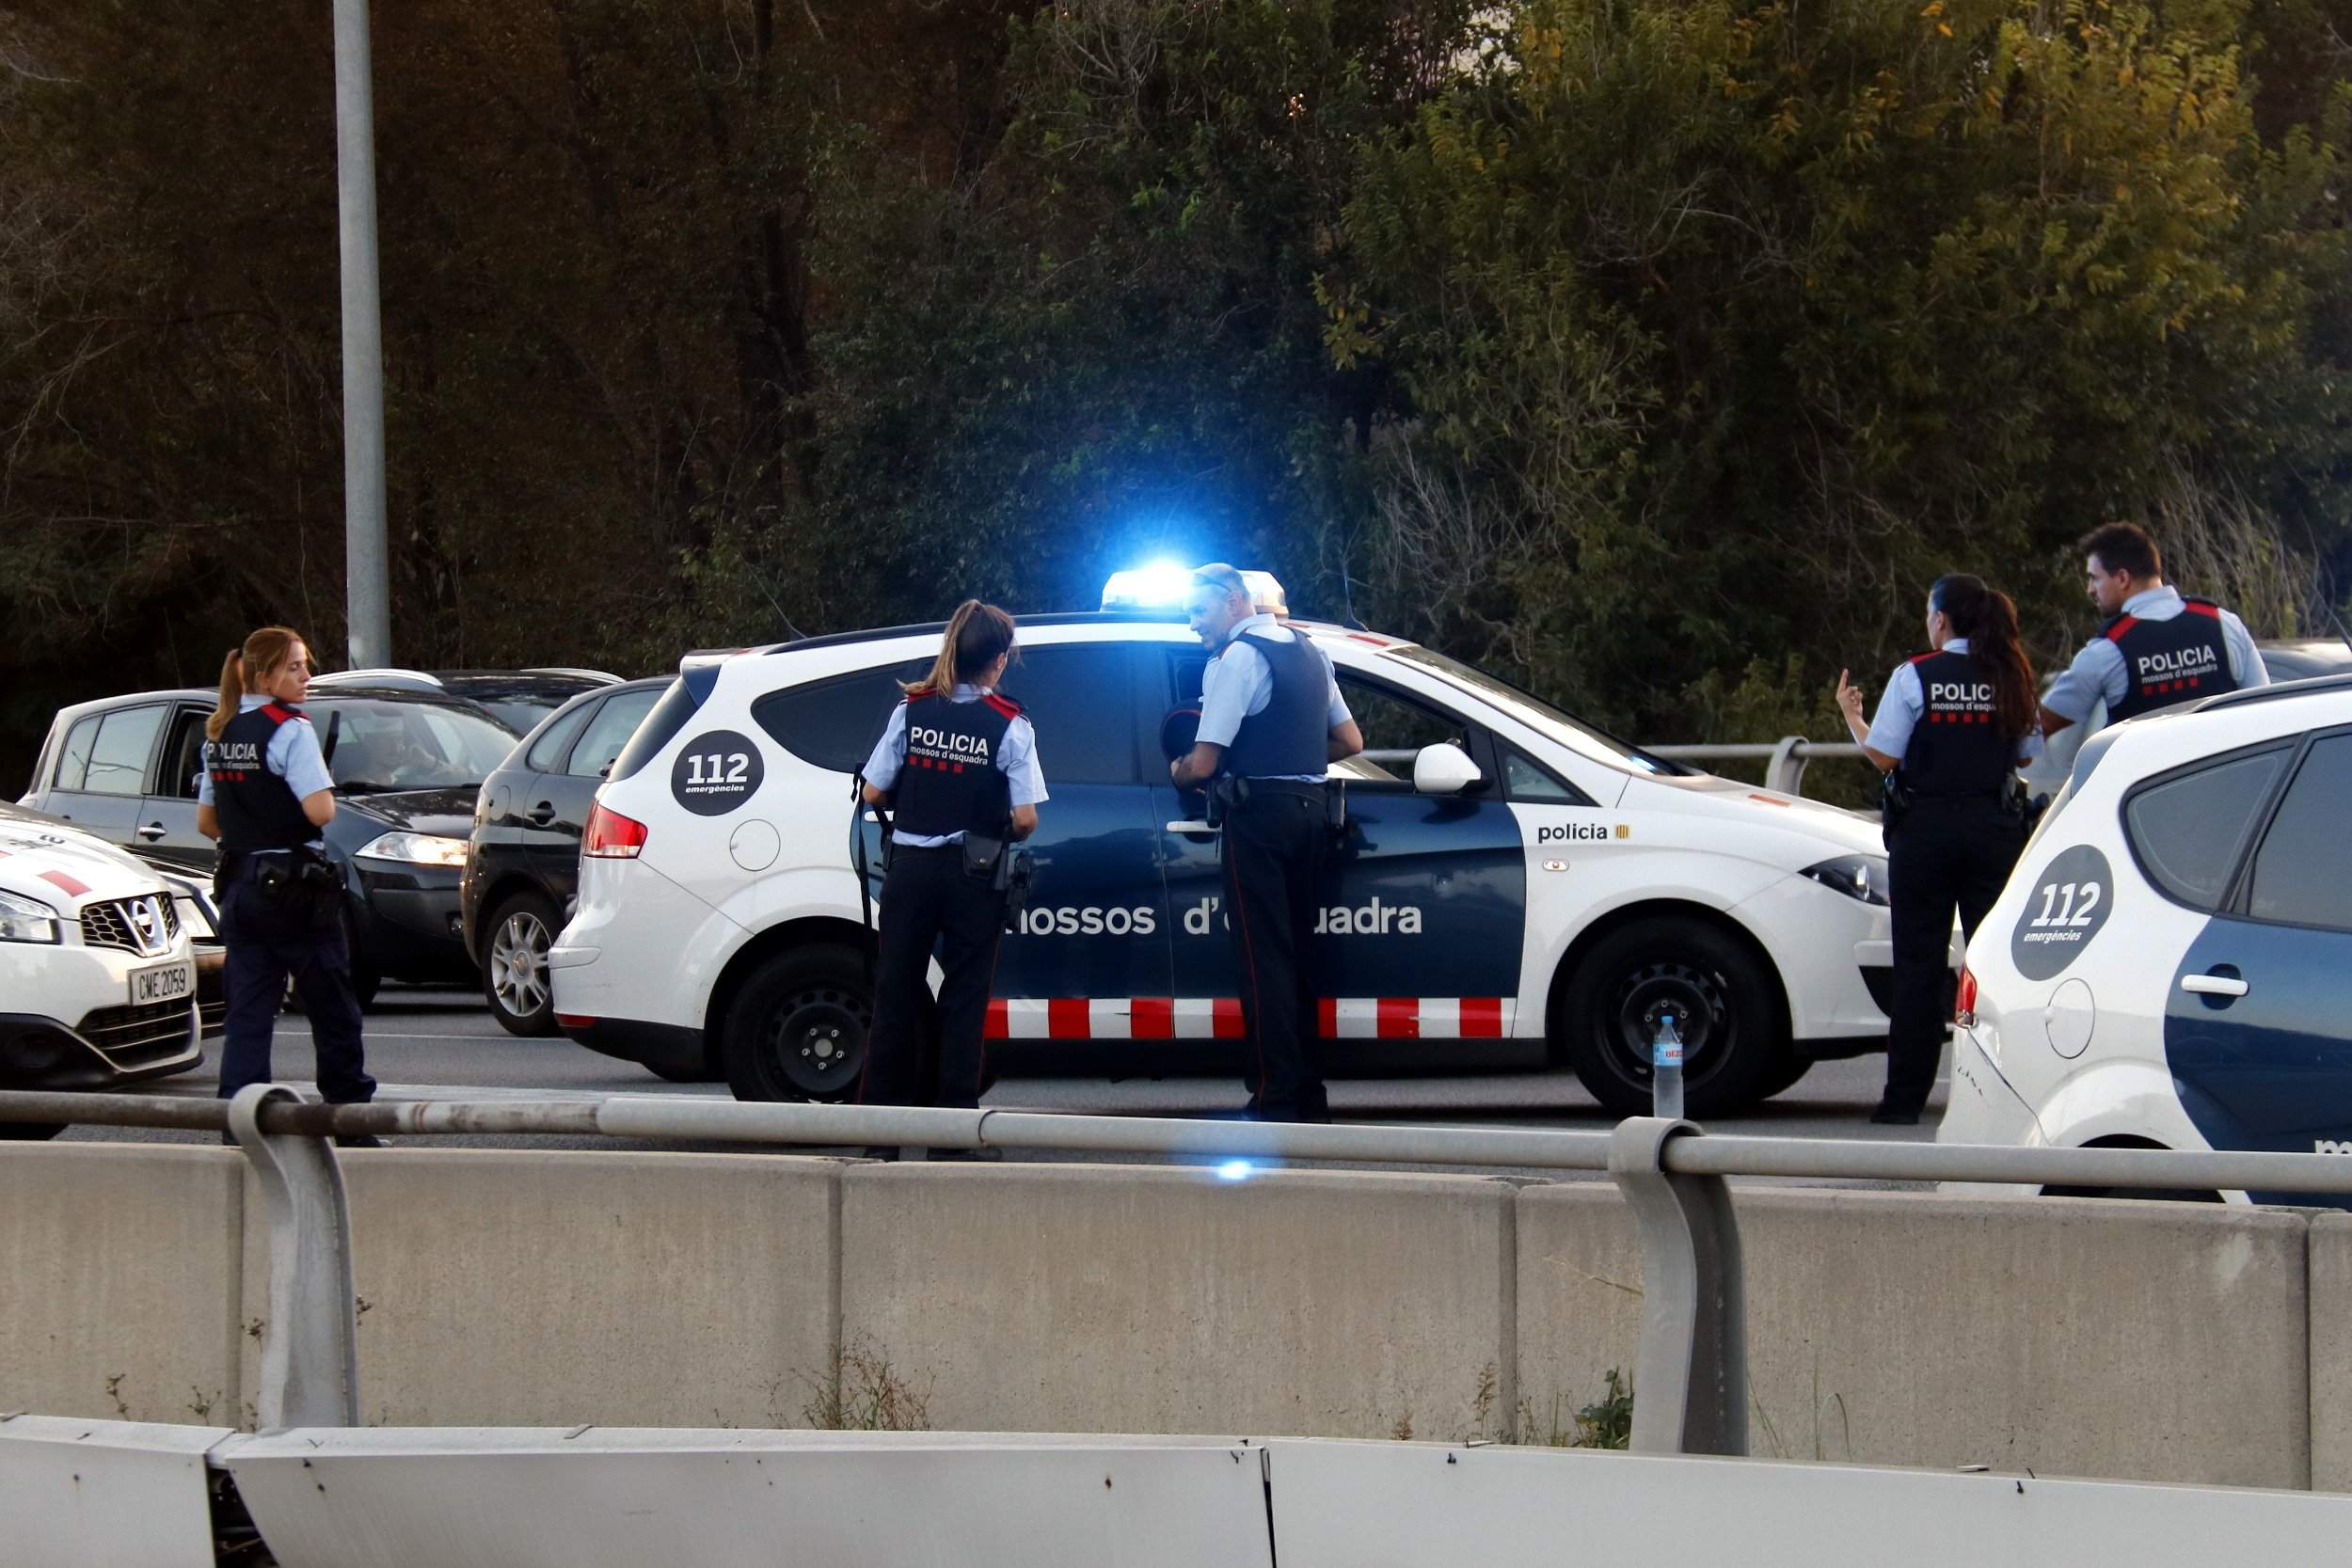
pixel 258 809
pixel 2169 661
pixel 1290 736
pixel 1958 748
pixel 950 782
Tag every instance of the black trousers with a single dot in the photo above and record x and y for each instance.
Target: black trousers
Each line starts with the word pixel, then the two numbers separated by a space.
pixel 265 946
pixel 1946 855
pixel 1274 847
pixel 928 901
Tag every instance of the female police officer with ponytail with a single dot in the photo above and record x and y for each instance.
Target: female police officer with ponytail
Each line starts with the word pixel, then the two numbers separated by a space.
pixel 1948 735
pixel 266 795
pixel 959 762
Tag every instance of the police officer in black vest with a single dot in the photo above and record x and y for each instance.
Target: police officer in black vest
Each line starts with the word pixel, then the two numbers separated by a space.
pixel 2156 648
pixel 959 762
pixel 1949 733
pixel 266 795
pixel 1271 721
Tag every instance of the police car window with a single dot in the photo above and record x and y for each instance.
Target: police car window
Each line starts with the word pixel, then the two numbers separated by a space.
pixel 2304 868
pixel 118 764
pixel 614 723
pixel 548 751
pixel 2185 830
pixel 1396 727
pixel 1525 779
pixel 833 723
pixel 75 762
pixel 1082 700
pixel 1532 711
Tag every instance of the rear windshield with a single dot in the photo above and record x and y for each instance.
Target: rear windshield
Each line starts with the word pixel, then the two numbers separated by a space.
pixel 668 717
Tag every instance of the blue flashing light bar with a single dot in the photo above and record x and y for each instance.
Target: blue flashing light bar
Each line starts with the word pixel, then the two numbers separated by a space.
pixel 1164 584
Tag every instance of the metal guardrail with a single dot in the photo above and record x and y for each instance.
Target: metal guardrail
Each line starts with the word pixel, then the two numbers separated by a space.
pixel 1784 760
pixel 1691 1367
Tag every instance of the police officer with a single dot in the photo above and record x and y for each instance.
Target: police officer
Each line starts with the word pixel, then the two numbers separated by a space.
pixel 266 795
pixel 1271 719
pixel 959 761
pixel 2157 648
pixel 1950 731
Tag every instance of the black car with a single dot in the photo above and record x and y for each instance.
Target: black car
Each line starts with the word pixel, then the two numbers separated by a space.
pixel 406 766
pixel 527 826
pixel 520 698
pixel 2295 662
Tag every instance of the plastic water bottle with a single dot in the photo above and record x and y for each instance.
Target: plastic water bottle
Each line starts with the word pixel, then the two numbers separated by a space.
pixel 1665 1060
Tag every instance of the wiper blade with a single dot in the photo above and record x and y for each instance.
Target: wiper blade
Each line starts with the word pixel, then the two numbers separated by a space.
pixel 362 786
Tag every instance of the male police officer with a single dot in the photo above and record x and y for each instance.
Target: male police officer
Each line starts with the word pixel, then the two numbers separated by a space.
pixel 2157 648
pixel 1271 718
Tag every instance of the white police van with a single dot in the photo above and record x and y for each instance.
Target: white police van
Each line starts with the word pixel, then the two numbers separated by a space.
pixel 1512 881
pixel 2166 969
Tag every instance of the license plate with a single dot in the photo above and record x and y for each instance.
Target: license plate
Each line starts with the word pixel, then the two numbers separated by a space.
pixel 163 983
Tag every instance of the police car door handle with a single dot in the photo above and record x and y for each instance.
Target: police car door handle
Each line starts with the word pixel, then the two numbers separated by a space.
pixel 152 831
pixel 2212 985
pixel 1192 827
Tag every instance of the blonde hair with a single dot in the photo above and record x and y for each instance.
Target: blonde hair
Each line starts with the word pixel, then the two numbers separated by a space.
pixel 247 669
pixel 977 636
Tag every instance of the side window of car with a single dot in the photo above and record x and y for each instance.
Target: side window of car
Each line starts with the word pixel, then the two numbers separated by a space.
pixel 1082 701
pixel 834 724
pixel 2186 829
pixel 2304 868
pixel 1525 779
pixel 75 764
pixel 118 764
pixel 548 751
pixel 184 755
pixel 614 724
pixel 1396 727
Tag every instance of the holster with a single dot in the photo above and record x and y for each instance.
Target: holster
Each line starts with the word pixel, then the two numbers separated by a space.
pixel 1894 800
pixel 300 887
pixel 1224 793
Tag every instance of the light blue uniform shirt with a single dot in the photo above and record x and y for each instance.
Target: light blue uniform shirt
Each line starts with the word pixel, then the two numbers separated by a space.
pixel 1239 682
pixel 1904 703
pixel 1016 759
pixel 2098 675
pixel 293 755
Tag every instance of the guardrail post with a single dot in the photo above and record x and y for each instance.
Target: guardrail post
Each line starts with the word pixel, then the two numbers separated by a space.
pixel 310 1339
pixel 1691 1376
pixel 1785 770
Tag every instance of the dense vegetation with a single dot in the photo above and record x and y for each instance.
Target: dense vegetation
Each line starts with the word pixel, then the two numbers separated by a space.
pixel 1655 352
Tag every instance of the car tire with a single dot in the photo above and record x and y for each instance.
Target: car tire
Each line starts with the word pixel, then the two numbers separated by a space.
pixel 685 1075
pixel 515 980
pixel 1786 1074
pixel 1631 976
pixel 29 1132
pixel 798 1028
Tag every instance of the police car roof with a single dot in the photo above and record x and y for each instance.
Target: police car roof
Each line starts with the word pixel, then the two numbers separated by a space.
pixel 936 629
pixel 2277 692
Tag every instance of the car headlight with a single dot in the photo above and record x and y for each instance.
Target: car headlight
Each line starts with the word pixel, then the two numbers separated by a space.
pixel 417 850
pixel 1862 877
pixel 26 920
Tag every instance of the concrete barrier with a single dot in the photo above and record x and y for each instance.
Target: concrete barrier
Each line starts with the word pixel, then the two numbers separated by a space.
pixel 504 1287
pixel 2138 1340
pixel 2331 1351
pixel 120 1294
pixel 1095 1298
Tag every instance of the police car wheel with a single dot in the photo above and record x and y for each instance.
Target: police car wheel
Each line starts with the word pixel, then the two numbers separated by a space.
pixel 1626 985
pixel 797 1029
pixel 514 965
pixel 1786 1074
pixel 29 1132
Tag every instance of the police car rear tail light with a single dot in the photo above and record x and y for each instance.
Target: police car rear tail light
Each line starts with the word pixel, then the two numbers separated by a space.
pixel 26 919
pixel 1964 1002
pixel 611 837
pixel 1862 877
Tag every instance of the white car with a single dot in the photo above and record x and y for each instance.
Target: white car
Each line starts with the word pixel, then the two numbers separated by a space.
pixel 2167 966
pixel 1519 885
pixel 97 968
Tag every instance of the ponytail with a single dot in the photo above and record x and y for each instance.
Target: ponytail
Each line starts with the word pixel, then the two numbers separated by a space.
pixel 247 669
pixel 977 635
pixel 1988 619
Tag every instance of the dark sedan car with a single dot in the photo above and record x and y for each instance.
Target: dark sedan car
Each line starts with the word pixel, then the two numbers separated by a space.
pixel 519 698
pixel 406 766
pixel 527 827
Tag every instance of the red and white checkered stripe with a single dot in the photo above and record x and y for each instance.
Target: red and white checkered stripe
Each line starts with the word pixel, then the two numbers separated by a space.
pixel 1203 1017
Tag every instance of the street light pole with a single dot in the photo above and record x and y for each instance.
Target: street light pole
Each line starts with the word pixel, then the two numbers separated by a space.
pixel 367 595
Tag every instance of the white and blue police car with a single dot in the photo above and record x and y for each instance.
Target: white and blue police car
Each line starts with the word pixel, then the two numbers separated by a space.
pixel 2167 967
pixel 1513 882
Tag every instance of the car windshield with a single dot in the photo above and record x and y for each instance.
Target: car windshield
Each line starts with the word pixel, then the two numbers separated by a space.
pixel 382 746
pixel 1534 711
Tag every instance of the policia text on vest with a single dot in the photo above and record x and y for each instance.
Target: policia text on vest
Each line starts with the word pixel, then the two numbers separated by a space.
pixel 1271 723
pixel 266 795
pixel 958 761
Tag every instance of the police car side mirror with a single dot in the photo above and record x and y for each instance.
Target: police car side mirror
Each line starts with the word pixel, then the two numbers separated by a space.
pixel 1443 770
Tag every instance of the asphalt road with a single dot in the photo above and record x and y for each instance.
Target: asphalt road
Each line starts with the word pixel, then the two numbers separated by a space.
pixel 430 1042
